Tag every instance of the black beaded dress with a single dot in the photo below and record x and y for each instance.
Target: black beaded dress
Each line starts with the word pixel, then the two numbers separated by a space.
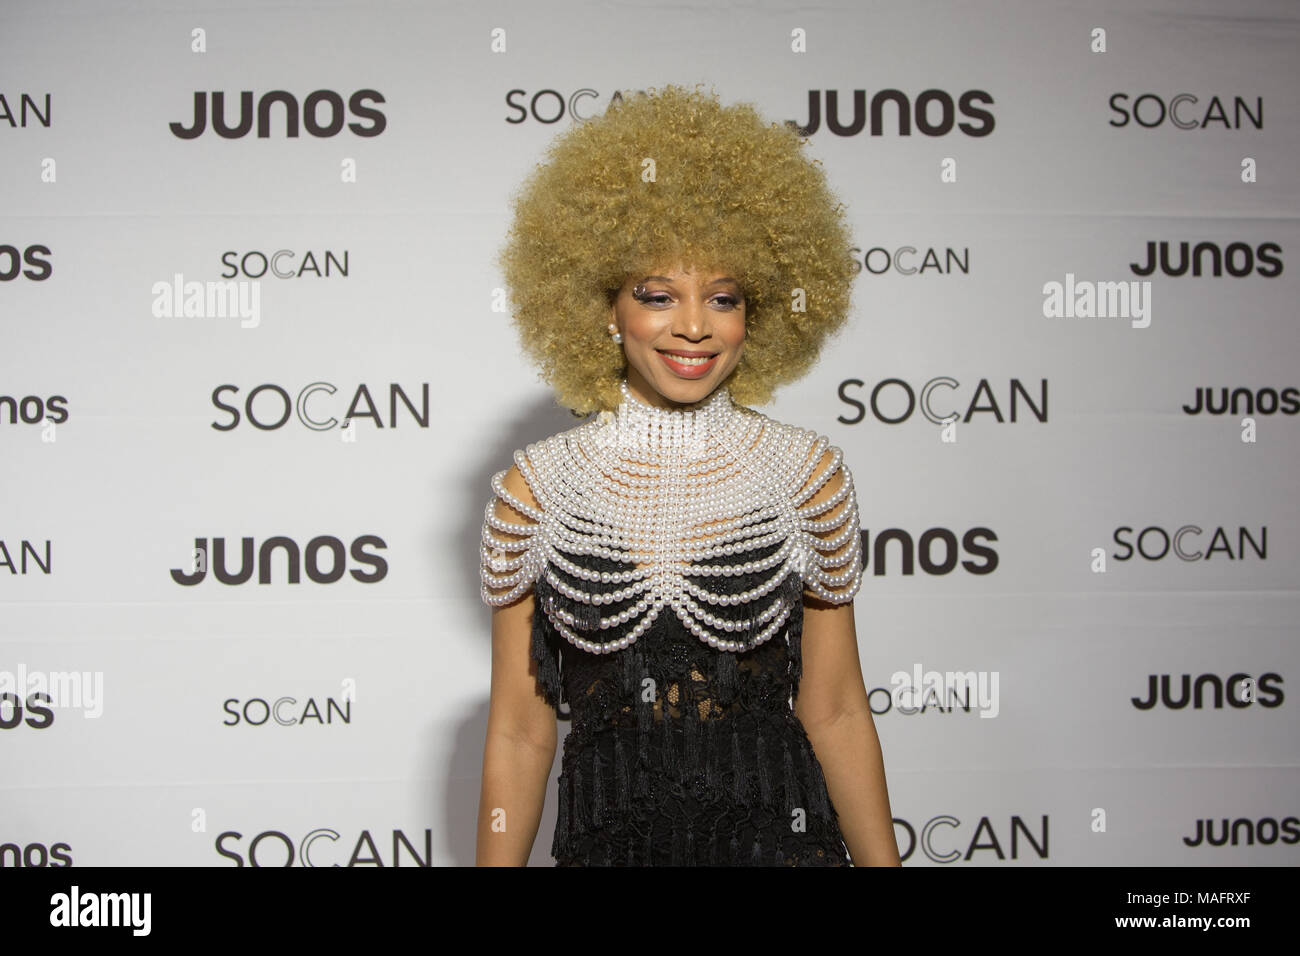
pixel 681 753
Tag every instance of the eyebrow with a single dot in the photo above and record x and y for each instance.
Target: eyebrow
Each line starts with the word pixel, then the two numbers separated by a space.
pixel 711 282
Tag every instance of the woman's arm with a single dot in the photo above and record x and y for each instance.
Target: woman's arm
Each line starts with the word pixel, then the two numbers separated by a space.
pixel 831 702
pixel 832 706
pixel 521 735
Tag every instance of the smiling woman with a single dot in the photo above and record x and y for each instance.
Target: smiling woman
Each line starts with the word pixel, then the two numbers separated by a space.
pixel 682 334
pixel 680 569
pixel 674 179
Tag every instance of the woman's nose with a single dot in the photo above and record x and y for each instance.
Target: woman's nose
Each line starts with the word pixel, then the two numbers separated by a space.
pixel 690 319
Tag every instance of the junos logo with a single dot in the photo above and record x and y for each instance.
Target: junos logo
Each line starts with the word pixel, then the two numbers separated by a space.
pixel 32 712
pixel 1243 401
pixel 296 560
pixel 1239 691
pixel 32 409
pixel 1238 259
pixel 322 114
pixel 12 259
pixel 933 112
pixel 937 551
pixel 1265 831
pixel 35 854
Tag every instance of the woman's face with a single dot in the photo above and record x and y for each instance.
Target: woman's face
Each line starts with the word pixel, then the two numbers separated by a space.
pixel 683 336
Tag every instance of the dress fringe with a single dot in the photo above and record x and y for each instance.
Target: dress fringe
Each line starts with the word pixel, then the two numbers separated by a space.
pixel 791 785
pixel 560 845
pixel 708 748
pixel 690 731
pixel 764 784
pixel 737 770
pixel 579 812
pixel 620 776
pixel 727 676
pixel 597 791
pixel 794 632
pixel 669 752
pixel 546 653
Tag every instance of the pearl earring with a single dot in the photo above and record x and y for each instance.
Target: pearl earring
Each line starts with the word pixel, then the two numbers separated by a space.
pixel 615 334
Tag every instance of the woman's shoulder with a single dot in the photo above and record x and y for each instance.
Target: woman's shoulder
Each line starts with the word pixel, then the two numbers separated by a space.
pixel 512 480
pixel 810 449
pixel 525 477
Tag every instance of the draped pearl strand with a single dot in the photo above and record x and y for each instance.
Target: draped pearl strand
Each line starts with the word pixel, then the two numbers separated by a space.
pixel 675 493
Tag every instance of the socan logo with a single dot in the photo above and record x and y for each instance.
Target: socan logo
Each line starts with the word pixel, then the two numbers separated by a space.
pixel 29 559
pixel 255 264
pixel 269 407
pixel 27 109
pixel 277 848
pixel 285 712
pixel 893 401
pixel 909 261
pixel 1149 111
pixel 942 839
pixel 551 106
pixel 1154 543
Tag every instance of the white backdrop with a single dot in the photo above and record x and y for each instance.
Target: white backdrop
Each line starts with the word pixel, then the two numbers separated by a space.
pixel 336 721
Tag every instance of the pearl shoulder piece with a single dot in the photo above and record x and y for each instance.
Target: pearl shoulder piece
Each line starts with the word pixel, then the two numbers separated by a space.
pixel 680 498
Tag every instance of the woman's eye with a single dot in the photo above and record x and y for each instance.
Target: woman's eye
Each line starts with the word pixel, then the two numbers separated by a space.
pixel 662 298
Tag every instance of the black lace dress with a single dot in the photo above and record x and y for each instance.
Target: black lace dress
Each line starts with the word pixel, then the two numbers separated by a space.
pixel 680 754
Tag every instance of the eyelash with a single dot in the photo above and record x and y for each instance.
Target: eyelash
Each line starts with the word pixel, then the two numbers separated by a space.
pixel 658 297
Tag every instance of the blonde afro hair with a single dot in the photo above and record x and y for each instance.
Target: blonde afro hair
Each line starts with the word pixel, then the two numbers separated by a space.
pixel 664 178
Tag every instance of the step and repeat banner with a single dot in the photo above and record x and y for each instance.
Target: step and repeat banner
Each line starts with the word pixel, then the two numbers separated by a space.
pixel 256 374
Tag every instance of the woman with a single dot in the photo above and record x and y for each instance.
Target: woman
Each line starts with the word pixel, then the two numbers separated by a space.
pixel 679 568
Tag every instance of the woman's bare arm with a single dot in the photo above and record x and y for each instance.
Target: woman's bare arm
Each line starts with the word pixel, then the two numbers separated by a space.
pixel 832 706
pixel 519 749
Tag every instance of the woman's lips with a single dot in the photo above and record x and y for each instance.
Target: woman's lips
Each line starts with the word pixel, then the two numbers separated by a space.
pixel 693 370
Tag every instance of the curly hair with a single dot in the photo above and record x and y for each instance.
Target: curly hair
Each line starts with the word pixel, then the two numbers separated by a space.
pixel 666 177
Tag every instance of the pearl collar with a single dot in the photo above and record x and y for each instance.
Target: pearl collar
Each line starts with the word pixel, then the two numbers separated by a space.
pixel 678 498
pixel 638 424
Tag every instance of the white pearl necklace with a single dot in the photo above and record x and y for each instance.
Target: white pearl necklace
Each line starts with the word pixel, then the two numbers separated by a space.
pixel 660 489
